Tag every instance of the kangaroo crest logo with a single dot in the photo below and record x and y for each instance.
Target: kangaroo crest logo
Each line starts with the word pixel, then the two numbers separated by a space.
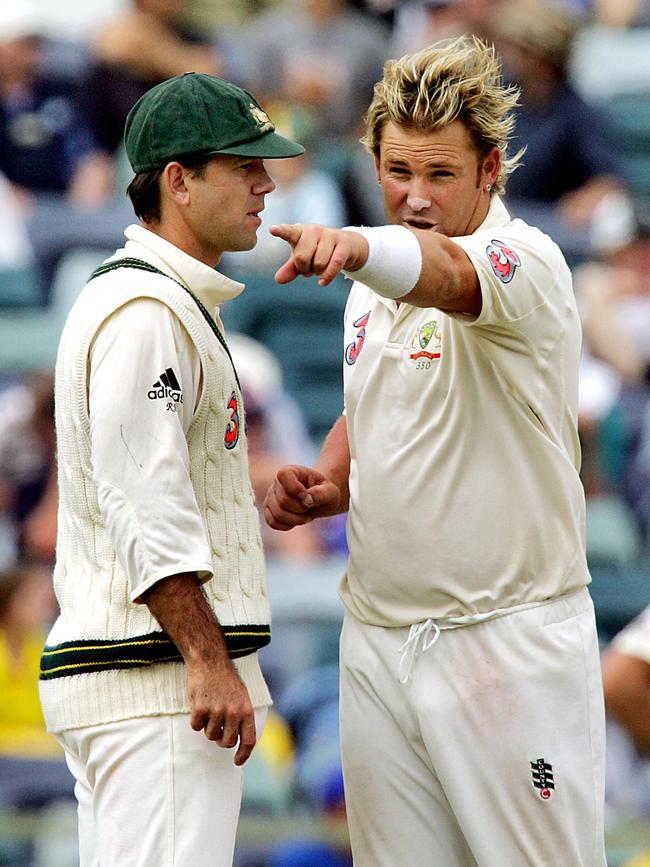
pixel 426 333
pixel 503 259
pixel 261 117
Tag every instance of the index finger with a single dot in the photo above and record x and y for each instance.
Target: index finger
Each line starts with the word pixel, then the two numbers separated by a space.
pixel 290 232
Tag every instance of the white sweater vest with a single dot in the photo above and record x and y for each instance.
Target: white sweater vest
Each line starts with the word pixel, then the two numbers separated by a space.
pixel 106 657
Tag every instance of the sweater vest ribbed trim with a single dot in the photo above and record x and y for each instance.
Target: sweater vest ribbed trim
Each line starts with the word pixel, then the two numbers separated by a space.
pixel 81 657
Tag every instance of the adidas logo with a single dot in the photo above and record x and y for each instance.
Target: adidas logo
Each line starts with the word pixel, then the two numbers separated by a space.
pixel 167 387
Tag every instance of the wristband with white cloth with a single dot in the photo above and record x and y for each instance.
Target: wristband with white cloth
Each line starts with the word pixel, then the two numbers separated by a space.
pixel 394 260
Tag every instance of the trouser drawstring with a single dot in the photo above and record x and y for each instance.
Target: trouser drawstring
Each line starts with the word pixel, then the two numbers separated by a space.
pixel 409 649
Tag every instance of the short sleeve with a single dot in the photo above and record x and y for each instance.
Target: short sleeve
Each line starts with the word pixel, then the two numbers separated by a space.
pixel 521 271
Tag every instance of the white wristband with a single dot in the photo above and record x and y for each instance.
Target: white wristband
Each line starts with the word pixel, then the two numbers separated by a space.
pixel 394 260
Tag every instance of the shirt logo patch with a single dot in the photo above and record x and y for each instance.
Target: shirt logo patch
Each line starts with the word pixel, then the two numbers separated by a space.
pixel 167 387
pixel 504 260
pixel 542 773
pixel 423 337
pixel 231 437
pixel 353 349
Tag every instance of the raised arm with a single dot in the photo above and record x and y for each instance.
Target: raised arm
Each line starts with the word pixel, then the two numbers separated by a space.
pixel 422 268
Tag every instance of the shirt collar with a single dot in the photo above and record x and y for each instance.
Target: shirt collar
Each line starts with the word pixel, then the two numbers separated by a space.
pixel 210 286
pixel 497 215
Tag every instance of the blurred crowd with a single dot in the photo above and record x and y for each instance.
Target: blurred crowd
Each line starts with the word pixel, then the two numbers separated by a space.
pixel 70 71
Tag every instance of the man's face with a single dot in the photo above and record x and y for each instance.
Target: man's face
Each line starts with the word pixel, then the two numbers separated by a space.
pixel 434 179
pixel 224 206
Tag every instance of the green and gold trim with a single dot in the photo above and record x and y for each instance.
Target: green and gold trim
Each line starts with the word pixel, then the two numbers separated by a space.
pixel 84 657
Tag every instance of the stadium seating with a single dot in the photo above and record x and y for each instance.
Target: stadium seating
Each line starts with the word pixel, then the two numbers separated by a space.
pixel 29 332
pixel 20 287
pixel 611 68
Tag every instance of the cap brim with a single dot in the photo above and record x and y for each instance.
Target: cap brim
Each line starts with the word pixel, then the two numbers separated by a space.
pixel 269 146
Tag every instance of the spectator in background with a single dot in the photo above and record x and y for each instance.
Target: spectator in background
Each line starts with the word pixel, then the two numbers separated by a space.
pixel 626 683
pixel 33 773
pixel 15 249
pixel 418 23
pixel 133 52
pixel 614 299
pixel 321 55
pixel 276 433
pixel 27 466
pixel 45 144
pixel 263 465
pixel 225 13
pixel 622 13
pixel 570 168
pixel 32 769
pixel 310 705
pixel 626 680
pixel 67 132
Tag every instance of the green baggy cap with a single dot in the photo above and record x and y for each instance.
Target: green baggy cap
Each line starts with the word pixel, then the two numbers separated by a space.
pixel 197 114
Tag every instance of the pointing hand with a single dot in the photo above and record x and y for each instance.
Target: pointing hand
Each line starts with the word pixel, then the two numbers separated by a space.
pixel 319 250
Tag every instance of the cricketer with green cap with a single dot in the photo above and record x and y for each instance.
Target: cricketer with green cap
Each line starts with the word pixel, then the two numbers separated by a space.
pixel 152 666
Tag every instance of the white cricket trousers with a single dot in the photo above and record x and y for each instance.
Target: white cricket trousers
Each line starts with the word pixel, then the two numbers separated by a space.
pixel 152 792
pixel 491 754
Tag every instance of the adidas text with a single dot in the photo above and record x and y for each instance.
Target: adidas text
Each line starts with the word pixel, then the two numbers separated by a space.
pixel 165 392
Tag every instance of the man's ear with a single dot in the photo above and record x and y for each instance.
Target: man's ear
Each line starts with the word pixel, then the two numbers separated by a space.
pixel 377 174
pixel 490 166
pixel 173 183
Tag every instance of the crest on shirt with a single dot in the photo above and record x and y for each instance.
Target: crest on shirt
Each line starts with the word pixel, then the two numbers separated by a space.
pixel 231 437
pixel 353 349
pixel 422 341
pixel 503 259
pixel 167 388
pixel 542 773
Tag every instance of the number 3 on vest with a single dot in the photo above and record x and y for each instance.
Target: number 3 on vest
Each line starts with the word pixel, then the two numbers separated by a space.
pixel 232 429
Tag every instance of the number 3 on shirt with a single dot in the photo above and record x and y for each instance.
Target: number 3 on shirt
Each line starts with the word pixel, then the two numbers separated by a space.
pixel 232 429
pixel 353 349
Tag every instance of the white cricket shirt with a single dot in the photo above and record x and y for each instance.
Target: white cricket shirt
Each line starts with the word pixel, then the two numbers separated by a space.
pixel 464 489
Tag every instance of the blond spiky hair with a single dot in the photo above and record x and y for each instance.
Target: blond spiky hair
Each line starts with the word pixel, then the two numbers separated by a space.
pixel 455 79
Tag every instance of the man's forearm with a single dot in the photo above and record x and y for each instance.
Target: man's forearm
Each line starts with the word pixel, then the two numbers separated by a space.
pixel 180 607
pixel 219 701
pixel 334 461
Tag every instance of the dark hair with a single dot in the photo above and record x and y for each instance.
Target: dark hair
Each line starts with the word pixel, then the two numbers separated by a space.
pixel 144 189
